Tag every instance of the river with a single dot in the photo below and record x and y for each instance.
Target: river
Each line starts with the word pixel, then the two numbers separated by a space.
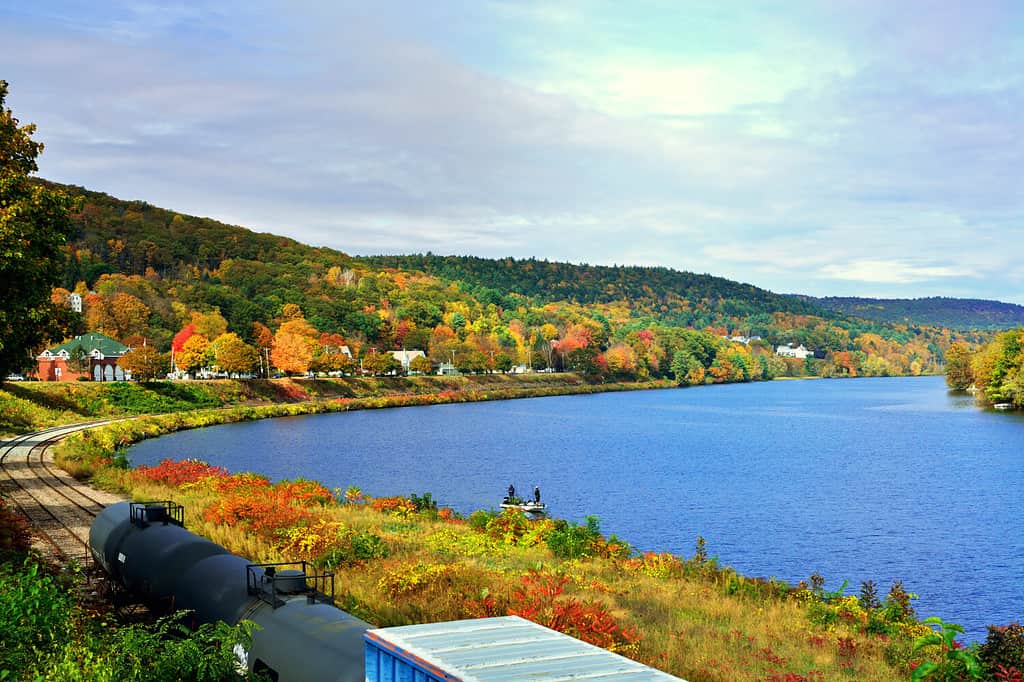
pixel 881 479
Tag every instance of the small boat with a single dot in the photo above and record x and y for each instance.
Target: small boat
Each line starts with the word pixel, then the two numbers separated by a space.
pixel 1003 406
pixel 527 506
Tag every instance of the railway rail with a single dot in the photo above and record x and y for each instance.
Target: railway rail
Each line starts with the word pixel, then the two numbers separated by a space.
pixel 60 508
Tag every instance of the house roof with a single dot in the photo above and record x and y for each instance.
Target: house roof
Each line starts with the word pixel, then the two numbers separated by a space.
pixel 93 341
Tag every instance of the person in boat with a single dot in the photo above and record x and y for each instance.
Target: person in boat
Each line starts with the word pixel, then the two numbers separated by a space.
pixel 536 494
pixel 511 493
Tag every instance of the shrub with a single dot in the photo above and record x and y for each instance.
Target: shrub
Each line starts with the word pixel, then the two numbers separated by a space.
pixel 397 506
pixel 944 657
pixel 541 598
pixel 178 473
pixel 1004 646
pixel 166 651
pixel 571 541
pixel 423 504
pixel 405 579
pixel 479 519
pixel 509 526
pixel 664 565
pixel 35 614
pixel 354 547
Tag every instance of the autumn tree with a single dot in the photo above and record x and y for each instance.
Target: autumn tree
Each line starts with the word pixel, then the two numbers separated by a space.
pixel 381 363
pixel 126 315
pixel 443 343
pixel 233 355
pixel 292 352
pixel 291 311
pixel 687 369
pixel 145 363
pixel 211 324
pixel 621 361
pixel 502 362
pixel 471 362
pixel 958 367
pixel 193 354
pixel 549 336
pixel 263 341
pixel 34 227
pixel 420 365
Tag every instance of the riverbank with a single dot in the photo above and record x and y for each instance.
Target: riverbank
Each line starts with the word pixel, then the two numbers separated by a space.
pixel 30 406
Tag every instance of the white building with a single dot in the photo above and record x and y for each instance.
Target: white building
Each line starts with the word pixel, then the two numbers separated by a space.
pixel 406 356
pixel 75 302
pixel 798 352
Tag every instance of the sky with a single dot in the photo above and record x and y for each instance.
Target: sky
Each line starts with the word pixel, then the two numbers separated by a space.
pixel 849 147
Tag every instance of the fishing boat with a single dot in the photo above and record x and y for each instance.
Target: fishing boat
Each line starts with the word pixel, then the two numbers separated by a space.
pixel 527 506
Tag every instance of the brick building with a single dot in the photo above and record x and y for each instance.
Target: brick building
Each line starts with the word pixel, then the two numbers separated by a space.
pixel 90 355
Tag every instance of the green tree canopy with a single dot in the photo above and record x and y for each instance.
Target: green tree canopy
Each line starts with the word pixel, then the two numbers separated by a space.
pixel 34 227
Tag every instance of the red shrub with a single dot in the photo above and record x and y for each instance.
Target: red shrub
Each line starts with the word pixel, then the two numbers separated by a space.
pixel 265 514
pixel 176 474
pixel 541 598
pixel 401 506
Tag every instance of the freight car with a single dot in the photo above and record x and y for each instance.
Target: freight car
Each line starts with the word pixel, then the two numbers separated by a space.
pixel 145 548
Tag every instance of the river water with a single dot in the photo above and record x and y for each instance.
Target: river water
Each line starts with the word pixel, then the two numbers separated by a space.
pixel 882 479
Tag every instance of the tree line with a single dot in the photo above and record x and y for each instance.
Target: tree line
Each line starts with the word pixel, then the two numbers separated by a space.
pixel 994 372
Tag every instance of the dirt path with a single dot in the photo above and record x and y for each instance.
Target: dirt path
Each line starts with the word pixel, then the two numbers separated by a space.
pixel 60 508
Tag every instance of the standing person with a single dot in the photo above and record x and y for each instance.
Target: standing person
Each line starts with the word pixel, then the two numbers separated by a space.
pixel 536 494
pixel 511 492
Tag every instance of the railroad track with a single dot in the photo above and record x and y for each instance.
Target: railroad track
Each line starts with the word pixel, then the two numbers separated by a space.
pixel 60 508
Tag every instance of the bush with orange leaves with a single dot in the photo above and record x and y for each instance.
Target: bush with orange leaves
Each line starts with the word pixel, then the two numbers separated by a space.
pixel 178 473
pixel 398 506
pixel 268 509
pixel 264 515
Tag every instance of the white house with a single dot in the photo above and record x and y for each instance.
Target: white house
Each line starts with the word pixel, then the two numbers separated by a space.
pixel 406 356
pixel 75 302
pixel 799 352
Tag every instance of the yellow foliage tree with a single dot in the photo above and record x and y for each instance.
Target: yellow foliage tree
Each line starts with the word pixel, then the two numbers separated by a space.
pixel 292 353
pixel 193 354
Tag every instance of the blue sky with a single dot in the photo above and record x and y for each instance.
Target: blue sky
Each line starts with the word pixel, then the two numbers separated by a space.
pixel 853 147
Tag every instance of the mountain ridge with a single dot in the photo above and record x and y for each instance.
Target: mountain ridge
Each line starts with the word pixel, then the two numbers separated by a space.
pixel 551 282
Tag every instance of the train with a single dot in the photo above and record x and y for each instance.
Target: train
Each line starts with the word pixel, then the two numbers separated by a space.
pixel 147 552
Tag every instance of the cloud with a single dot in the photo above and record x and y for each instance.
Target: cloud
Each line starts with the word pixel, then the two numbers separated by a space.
pixel 891 271
pixel 832 152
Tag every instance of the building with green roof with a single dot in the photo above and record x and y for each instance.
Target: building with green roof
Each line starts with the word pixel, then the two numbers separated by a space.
pixel 91 355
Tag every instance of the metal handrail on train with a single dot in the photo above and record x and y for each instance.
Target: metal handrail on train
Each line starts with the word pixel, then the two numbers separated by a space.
pixel 143 514
pixel 274 580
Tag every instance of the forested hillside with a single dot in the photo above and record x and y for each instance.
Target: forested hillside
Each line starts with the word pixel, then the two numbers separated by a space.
pixel 650 288
pixel 155 278
pixel 995 372
pixel 955 313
